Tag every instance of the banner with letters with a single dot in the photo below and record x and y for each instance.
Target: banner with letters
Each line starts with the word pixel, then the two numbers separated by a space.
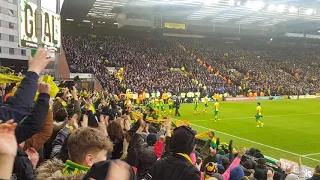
pixel 51 27
pixel 303 97
pixel 240 98
pixel 174 26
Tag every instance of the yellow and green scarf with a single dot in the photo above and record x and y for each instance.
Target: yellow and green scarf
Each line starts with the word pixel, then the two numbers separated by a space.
pixel 72 168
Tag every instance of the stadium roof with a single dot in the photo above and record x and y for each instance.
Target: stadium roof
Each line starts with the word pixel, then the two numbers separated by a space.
pixel 295 14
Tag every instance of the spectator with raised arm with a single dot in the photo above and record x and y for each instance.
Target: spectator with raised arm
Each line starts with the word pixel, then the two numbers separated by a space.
pixel 178 165
pixel 19 106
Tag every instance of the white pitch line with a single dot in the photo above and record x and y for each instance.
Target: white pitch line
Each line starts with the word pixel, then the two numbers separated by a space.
pixel 255 142
pixel 287 115
pixel 313 154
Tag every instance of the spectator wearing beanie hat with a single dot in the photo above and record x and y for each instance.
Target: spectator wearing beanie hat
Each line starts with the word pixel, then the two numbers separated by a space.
pixel 248 168
pixel 277 176
pixel 178 165
pixel 221 169
pixel 210 169
pixel 151 139
pixel 259 174
pixel 236 173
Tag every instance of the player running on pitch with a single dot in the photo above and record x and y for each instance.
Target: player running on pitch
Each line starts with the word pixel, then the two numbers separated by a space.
pixel 205 99
pixel 259 116
pixel 196 101
pixel 216 107
pixel 170 103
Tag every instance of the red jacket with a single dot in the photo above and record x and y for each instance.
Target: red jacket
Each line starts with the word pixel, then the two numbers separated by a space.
pixel 158 147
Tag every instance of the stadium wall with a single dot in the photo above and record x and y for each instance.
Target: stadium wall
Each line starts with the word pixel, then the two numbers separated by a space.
pixel 63 67
pixel 271 98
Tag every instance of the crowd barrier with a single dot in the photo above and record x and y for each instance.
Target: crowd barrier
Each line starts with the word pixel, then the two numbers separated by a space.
pixel 286 158
pixel 271 98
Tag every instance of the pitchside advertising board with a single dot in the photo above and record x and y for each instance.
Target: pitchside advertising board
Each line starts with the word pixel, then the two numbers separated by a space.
pixel 51 27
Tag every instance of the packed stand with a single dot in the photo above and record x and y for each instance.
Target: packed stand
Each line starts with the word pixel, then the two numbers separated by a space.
pixel 99 136
pixel 146 63
pixel 236 68
pixel 258 67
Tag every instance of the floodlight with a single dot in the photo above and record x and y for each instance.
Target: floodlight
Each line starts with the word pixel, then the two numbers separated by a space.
pixel 255 5
pixel 293 9
pixel 310 11
pixel 280 8
pixel 69 19
pixel 231 2
pixel 272 7
pixel 115 23
pixel 207 2
pixel 239 3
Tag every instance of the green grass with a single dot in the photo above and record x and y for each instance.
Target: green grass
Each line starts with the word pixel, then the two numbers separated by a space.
pixel 290 125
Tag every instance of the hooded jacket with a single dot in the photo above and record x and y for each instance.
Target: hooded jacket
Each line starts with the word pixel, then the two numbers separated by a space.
pixel 52 170
pixel 174 167
pixel 177 165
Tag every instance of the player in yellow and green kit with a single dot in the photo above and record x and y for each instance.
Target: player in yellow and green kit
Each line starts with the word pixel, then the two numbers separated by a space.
pixel 170 103
pixel 259 116
pixel 157 104
pixel 161 105
pixel 216 107
pixel 205 100
pixel 196 101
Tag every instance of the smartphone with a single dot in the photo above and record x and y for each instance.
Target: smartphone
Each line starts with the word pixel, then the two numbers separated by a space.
pixel 198 160
pixel 51 51
pixel 147 177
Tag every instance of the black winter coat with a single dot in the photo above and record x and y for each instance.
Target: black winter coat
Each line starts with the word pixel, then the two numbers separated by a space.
pixel 174 167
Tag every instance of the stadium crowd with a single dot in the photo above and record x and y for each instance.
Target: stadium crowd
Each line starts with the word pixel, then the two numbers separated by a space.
pixel 282 70
pixel 146 63
pixel 83 135
pixel 236 68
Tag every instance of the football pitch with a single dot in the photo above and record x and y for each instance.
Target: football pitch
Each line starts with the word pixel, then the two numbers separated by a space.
pixel 291 127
